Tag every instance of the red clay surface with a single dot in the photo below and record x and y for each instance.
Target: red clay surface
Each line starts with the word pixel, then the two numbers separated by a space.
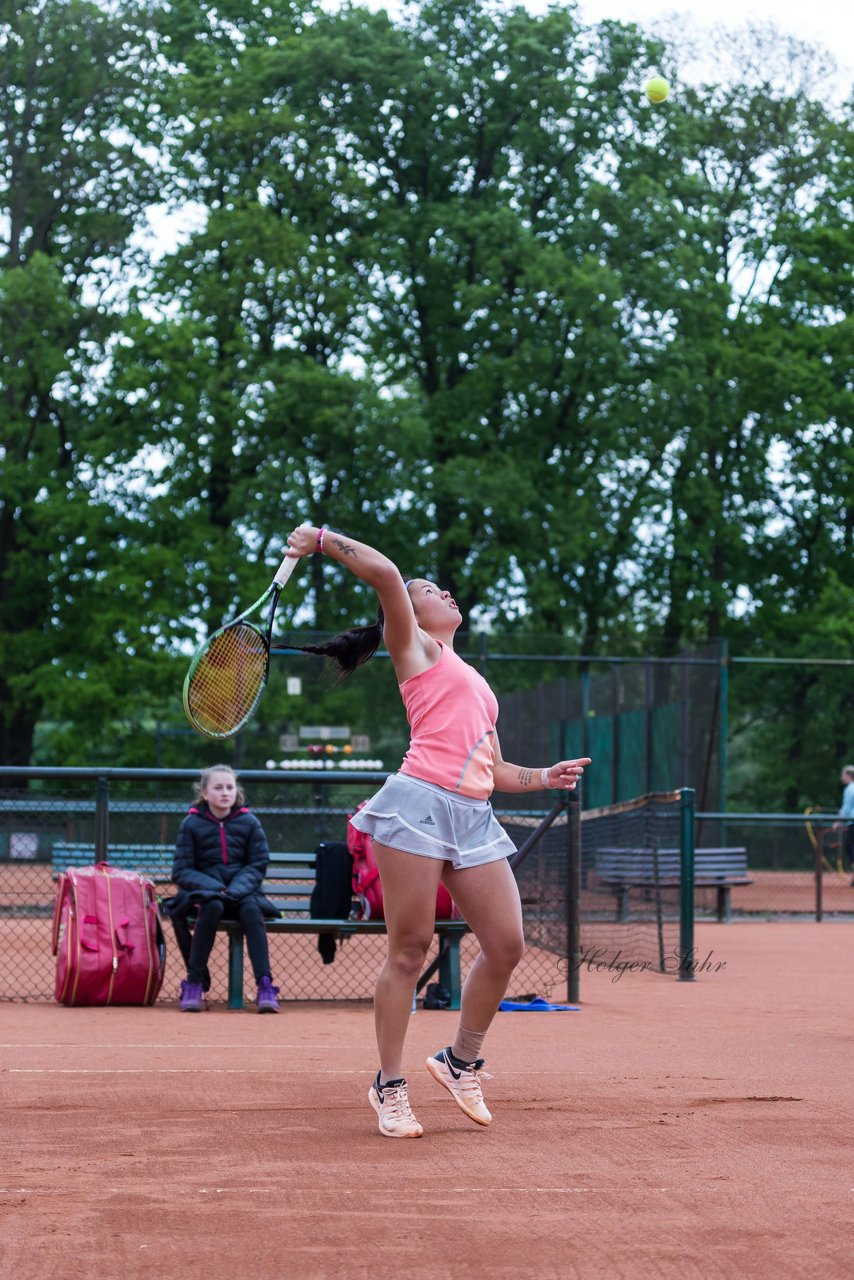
pixel 693 1130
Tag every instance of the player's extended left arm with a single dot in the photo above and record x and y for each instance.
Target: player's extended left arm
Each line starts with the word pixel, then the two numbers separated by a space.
pixel 517 778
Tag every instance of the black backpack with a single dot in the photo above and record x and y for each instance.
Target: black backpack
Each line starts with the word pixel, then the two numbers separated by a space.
pixel 332 895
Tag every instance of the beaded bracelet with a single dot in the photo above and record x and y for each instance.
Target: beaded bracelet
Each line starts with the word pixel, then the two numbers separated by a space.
pixel 544 779
pixel 320 534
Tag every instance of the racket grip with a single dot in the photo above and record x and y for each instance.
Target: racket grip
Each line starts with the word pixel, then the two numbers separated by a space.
pixel 285 569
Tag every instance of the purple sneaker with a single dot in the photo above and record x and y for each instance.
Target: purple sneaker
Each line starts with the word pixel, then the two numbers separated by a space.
pixel 267 1002
pixel 191 997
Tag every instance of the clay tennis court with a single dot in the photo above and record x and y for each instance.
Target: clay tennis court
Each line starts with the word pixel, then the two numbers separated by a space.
pixel 667 1129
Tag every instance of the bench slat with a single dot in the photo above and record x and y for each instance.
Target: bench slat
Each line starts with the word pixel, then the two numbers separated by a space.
pixel 643 865
pixel 644 868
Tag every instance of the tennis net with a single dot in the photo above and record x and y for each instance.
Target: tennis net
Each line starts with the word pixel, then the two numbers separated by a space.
pixel 631 878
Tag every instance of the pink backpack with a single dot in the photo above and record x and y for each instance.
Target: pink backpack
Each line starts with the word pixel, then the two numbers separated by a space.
pixel 367 887
pixel 107 937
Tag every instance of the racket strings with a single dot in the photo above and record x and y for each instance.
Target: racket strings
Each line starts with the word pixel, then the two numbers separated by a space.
pixel 227 679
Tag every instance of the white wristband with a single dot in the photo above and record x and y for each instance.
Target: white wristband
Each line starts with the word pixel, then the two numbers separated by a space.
pixel 544 779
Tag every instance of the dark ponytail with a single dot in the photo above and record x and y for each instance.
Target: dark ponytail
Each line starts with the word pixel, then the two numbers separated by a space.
pixel 350 649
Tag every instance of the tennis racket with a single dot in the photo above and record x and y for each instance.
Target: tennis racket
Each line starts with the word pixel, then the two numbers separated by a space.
pixel 824 842
pixel 228 673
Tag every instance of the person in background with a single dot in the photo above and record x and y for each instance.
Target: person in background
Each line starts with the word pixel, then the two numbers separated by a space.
pixel 846 812
pixel 433 821
pixel 221 857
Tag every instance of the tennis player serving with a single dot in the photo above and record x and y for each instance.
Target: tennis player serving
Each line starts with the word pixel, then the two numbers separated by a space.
pixel 432 821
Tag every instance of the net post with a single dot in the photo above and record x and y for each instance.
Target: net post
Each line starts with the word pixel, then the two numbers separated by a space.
pixel 573 895
pixel 102 817
pixel 686 884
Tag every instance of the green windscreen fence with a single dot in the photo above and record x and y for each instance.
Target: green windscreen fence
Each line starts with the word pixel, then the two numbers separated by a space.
pixel 649 725
pixel 600 747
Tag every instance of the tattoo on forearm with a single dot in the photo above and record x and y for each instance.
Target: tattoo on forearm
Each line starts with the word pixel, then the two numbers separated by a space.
pixel 344 547
pixel 526 777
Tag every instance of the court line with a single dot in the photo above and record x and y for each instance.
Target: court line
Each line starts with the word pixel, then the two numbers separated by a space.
pixel 337 1191
pixel 249 1071
pixel 169 1044
pixel 487 1191
pixel 181 1071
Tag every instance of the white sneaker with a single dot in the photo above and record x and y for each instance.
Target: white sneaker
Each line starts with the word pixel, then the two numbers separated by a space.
pixel 391 1103
pixel 462 1083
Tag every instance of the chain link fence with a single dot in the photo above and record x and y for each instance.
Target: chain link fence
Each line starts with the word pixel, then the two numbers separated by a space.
pixel 797 868
pixel 58 813
pixel 797 865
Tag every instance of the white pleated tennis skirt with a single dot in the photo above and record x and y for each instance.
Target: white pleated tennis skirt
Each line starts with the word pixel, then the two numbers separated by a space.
pixel 419 817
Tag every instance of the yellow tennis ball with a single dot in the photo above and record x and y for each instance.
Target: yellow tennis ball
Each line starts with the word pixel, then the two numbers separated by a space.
pixel 657 89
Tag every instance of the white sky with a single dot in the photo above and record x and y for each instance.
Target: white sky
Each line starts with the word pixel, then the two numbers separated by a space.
pixel 826 22
pixel 829 23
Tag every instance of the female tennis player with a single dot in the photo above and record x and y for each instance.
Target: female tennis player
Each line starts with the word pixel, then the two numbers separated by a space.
pixel 432 821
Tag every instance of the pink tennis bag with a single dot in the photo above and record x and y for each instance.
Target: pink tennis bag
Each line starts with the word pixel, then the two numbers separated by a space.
pixel 367 886
pixel 107 937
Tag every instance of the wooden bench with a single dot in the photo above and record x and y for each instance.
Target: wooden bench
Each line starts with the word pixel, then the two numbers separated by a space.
pixel 288 884
pixel 626 869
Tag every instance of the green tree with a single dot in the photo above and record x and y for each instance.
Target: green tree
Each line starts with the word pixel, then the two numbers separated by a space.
pixel 478 137
pixel 72 125
pixel 244 368
pixel 795 722
pixel 452 285
pixel 758 165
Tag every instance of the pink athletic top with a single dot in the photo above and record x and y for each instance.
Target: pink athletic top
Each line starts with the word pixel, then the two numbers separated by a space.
pixel 452 713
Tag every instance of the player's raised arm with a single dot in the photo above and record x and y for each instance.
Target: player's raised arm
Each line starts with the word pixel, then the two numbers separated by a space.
pixel 398 628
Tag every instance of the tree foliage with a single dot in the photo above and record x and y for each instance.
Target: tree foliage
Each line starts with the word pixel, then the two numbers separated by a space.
pixel 73 121
pixel 452 285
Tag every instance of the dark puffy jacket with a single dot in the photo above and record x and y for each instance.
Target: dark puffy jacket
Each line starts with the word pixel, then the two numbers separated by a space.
pixel 212 855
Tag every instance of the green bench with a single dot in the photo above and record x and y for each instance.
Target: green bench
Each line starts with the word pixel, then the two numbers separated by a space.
pixel 625 869
pixel 288 884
